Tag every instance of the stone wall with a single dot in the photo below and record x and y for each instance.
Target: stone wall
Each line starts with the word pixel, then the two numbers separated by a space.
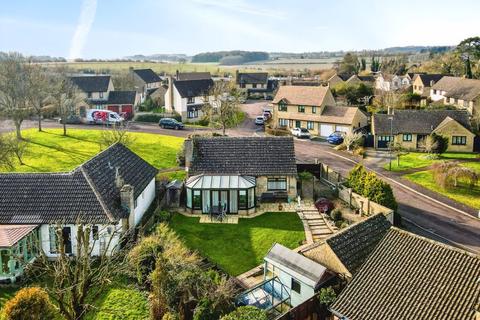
pixel 363 204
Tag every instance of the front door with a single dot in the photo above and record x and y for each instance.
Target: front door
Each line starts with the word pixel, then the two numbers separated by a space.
pixel 298 124
pixel 220 199
pixel 67 240
pixel 421 141
pixel 233 205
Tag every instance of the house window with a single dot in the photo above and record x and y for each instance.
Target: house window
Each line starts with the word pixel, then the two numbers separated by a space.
pixel 189 198
pixel 301 109
pixel 95 232
pixel 385 138
pixel 135 203
pixel 407 137
pixel 314 109
pixel 282 122
pixel 242 199
pixel 459 140
pixel 101 95
pixel 242 85
pixel 197 199
pixel 274 184
pixel 310 125
pixel 282 106
pixel 190 100
pixel 296 286
pixel 89 95
pixel 254 86
pixel 192 114
pixel 434 91
pixel 53 239
pixel 251 197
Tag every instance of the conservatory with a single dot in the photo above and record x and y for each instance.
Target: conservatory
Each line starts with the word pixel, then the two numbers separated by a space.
pixel 221 194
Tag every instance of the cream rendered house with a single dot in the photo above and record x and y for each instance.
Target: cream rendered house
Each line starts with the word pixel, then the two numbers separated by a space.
pixel 459 92
pixel 314 108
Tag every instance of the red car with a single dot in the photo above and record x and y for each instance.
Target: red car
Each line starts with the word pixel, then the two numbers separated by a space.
pixel 324 205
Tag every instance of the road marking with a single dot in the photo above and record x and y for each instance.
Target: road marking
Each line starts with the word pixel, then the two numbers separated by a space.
pixel 409 188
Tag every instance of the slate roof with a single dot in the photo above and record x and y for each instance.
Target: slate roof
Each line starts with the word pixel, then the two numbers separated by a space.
pixel 183 76
pixel 301 95
pixel 254 156
pixel 11 234
pixel 354 244
pixel 91 83
pixel 298 263
pixel 459 88
pixel 88 192
pixel 416 121
pixel 428 78
pixel 147 75
pixel 193 88
pixel 252 77
pixel 411 277
pixel 121 97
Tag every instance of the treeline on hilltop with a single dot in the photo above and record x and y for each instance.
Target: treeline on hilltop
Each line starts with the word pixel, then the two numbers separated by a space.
pixel 231 57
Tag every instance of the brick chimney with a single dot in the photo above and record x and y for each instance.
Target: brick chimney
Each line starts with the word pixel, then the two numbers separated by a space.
pixel 176 73
pixel 119 182
pixel 169 103
pixel 188 148
pixel 128 203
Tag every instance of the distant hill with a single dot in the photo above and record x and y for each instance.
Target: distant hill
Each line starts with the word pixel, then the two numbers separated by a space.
pixel 231 57
pixel 164 57
pixel 37 58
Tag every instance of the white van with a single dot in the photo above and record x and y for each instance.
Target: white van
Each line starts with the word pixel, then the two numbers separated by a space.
pixel 98 116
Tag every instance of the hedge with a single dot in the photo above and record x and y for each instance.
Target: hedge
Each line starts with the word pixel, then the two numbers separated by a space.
pixel 155 117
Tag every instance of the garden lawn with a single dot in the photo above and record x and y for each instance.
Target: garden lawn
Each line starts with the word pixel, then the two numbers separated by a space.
pixel 463 193
pixel 237 248
pixel 50 151
pixel 120 301
pixel 414 160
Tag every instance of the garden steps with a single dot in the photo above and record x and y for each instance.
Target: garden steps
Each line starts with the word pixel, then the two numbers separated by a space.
pixel 316 225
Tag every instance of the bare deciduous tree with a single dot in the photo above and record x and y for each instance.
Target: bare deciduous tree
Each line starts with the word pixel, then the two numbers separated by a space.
pixel 38 91
pixel 116 133
pixel 74 280
pixel 13 90
pixel 6 159
pixel 351 139
pixel 429 144
pixel 16 147
pixel 221 105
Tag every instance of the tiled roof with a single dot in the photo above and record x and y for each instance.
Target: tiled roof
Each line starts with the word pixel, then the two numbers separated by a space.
pixel 353 244
pixel 427 79
pixel 416 121
pixel 459 88
pixel 193 88
pixel 184 76
pixel 91 83
pixel 88 192
pixel 121 97
pixel 301 95
pixel 255 156
pixel 339 115
pixel 411 277
pixel 147 75
pixel 252 77
pixel 11 234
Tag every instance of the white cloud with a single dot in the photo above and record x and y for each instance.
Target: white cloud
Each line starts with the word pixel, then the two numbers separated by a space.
pixel 87 17
pixel 241 6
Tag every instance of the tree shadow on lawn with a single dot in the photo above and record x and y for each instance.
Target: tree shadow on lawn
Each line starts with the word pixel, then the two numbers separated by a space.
pixel 237 248
pixel 75 137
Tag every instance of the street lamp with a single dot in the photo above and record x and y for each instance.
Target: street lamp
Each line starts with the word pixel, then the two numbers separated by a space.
pixel 390 141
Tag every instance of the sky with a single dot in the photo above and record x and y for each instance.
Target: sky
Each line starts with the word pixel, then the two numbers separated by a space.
pixel 118 28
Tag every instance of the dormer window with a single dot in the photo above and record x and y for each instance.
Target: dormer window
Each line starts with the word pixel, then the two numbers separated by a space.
pixel 190 100
pixel 282 106
pixel 89 94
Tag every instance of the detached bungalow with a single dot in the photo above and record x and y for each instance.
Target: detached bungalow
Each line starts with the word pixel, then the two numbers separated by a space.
pixel 232 174
pixel 407 276
pixel 459 92
pixel 314 108
pixel 111 192
pixel 411 127
pixel 388 82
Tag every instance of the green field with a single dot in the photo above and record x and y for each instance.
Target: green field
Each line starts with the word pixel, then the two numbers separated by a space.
pixel 50 151
pixel 463 193
pixel 237 248
pixel 413 160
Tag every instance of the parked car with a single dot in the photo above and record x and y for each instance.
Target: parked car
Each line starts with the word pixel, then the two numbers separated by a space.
pixel 169 123
pixel 300 133
pixel 324 205
pixel 260 120
pixel 99 116
pixel 71 119
pixel 335 138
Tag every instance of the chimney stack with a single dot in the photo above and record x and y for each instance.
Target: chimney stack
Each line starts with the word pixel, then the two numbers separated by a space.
pixel 119 182
pixel 128 203
pixel 188 148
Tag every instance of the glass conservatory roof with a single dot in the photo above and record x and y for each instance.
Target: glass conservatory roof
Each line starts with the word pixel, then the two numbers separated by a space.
pixel 220 182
